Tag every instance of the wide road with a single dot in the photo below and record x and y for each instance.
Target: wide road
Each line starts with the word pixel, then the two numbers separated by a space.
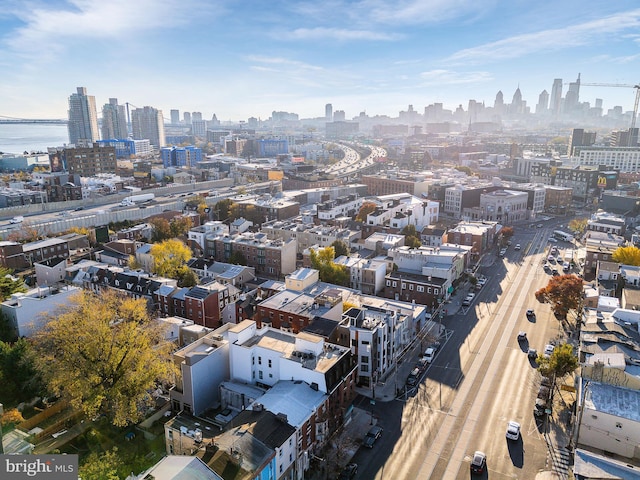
pixel 479 381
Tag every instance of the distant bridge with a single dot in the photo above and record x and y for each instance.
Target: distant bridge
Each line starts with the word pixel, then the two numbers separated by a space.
pixel 4 120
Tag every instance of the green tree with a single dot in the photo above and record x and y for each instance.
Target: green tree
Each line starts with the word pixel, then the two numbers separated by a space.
pixel 161 229
pixel 105 355
pixel 627 255
pixel 411 236
pixel 561 362
pixel 563 292
pixel 103 466
pixel 330 272
pixel 187 277
pixel 340 247
pixel 169 256
pixel 222 209
pixel 366 209
pixel 9 284
pixel 18 374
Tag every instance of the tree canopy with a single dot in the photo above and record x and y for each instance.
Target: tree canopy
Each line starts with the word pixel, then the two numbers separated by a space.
pixel 563 292
pixel 161 229
pixel 411 236
pixel 365 209
pixel 561 362
pixel 330 272
pixel 578 225
pixel 9 284
pixel 222 209
pixel 340 247
pixel 18 375
pixel 507 232
pixel 170 258
pixel 105 355
pixel 627 255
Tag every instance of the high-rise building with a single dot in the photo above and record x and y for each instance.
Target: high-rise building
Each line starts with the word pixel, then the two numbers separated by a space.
pixel 543 103
pixel 148 123
pixel 580 138
pixel 114 121
pixel 187 118
pixel 83 118
pixel 175 117
pixel 328 112
pixel 572 98
pixel 196 116
pixel 555 100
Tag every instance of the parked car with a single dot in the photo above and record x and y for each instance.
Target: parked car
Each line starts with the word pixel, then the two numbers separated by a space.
pixel 548 350
pixel 479 462
pixel 429 354
pixel 372 435
pixel 517 247
pixel 513 431
pixel 349 471
pixel 503 252
pixel 553 240
pixel 413 377
pixel 555 272
pixel 531 313
pixel 532 353
pixel 522 336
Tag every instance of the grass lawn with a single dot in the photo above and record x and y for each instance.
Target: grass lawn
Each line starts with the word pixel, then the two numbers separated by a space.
pixel 134 455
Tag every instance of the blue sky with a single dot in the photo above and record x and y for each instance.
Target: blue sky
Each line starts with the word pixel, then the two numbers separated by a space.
pixel 248 58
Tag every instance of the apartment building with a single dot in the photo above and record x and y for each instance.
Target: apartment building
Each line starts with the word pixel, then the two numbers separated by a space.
pixel 307 235
pixel 270 258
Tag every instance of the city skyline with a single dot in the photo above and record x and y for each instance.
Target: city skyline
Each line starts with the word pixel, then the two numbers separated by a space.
pixel 242 60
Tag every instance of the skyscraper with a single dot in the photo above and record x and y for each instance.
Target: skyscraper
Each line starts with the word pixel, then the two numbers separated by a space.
pixel 114 121
pixel 196 116
pixel 187 118
pixel 328 112
pixel 147 123
pixel 572 98
pixel 543 103
pixel 556 97
pixel 83 118
pixel 175 117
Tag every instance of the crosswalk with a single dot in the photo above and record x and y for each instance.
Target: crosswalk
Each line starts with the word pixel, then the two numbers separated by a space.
pixel 560 462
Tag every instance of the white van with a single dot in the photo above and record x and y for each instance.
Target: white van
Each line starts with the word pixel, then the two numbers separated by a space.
pixel 18 219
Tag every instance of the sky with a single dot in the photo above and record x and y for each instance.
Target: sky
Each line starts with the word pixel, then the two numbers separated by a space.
pixel 241 59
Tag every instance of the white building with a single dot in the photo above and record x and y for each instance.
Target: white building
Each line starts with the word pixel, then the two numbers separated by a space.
pixel 624 159
pixel 210 229
pixel 609 418
pixel 341 207
pixel 446 261
pixel 27 312
pixel 367 275
pixel 504 206
pixel 401 209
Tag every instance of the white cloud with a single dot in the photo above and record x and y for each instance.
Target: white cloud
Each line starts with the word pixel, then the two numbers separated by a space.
pixel 339 34
pixel 549 40
pixel 449 77
pixel 54 28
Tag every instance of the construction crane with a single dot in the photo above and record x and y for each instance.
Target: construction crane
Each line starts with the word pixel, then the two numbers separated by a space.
pixel 621 85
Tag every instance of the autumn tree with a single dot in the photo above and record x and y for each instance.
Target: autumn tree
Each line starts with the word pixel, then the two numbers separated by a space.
pixel 627 255
pixel 366 209
pixel 507 232
pixel 161 229
pixel 170 258
pixel 330 272
pixel 561 362
pixel 105 355
pixel 578 225
pixel 563 292
pixel 180 226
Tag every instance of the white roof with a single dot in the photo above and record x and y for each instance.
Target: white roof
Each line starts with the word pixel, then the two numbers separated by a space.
pixel 297 400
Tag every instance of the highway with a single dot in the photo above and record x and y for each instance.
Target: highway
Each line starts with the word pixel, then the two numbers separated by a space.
pixel 481 379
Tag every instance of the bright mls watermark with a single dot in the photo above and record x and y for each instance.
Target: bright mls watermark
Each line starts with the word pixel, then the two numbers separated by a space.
pixel 39 467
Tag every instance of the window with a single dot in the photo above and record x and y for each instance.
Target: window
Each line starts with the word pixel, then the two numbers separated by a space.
pixel 411 286
pixel 269 363
pixel 420 288
pixel 364 359
pixel 394 284
pixel 260 374
pixel 259 360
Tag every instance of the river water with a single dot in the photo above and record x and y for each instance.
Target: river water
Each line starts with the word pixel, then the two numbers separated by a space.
pixel 28 137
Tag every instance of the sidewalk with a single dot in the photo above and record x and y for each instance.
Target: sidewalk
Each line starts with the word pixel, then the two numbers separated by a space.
pixel 342 447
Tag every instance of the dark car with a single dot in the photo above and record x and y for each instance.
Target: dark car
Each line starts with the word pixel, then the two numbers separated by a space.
pixel 372 435
pixel 349 471
pixel 479 462
pixel 531 313
pixel 540 407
